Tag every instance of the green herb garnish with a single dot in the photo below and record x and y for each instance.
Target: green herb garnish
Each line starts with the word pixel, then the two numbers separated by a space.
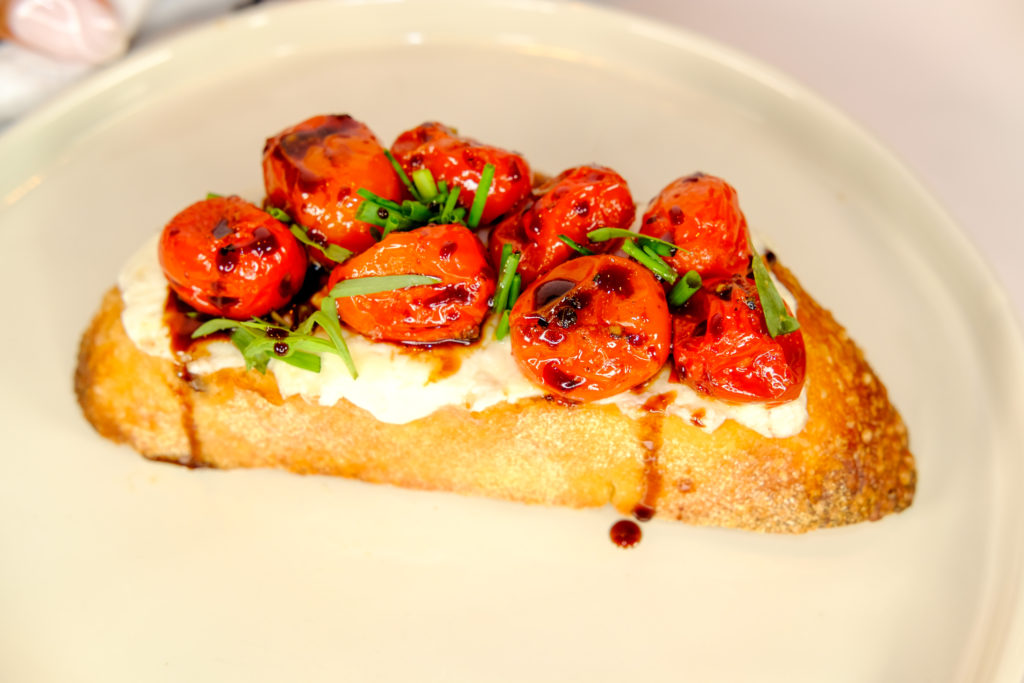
pixel 776 318
pixel 684 288
pixel 650 260
pixel 432 203
pixel 425 185
pixel 379 283
pixel 480 198
pixel 648 252
pixel 509 284
pixel 260 340
pixel 659 247
pixel 334 252
pixel 576 247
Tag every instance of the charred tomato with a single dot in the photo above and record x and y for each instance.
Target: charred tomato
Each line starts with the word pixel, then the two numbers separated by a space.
pixel 460 161
pixel 314 169
pixel 450 310
pixel 225 257
pixel 575 202
pixel 591 327
pixel 721 346
pixel 701 215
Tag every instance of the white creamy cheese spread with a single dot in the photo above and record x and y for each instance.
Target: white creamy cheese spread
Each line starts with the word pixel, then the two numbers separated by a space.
pixel 398 385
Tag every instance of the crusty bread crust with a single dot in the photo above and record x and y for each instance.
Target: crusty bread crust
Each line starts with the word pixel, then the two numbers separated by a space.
pixel 851 462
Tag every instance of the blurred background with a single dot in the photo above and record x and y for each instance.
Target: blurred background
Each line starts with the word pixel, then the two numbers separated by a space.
pixel 937 81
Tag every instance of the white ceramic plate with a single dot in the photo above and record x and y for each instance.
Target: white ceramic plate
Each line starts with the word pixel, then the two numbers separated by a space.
pixel 113 568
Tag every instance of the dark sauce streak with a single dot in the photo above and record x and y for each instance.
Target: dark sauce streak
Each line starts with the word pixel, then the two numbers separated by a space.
pixel 697 418
pixel 458 294
pixel 447 249
pixel 181 322
pixel 551 290
pixel 643 513
pixel 676 216
pixel 651 427
pixel 565 316
pixel 625 533
pixel 446 356
pixel 227 259
pixel 554 376
pixel 263 243
pixel 188 424
pixel 222 229
pixel 181 325
pixel 295 145
pixel 614 279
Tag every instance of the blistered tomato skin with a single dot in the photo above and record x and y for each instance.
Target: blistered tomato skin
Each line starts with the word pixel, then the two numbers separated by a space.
pixel 591 327
pixel 721 346
pixel 460 161
pixel 225 257
pixel 575 202
pixel 450 310
pixel 701 214
pixel 313 171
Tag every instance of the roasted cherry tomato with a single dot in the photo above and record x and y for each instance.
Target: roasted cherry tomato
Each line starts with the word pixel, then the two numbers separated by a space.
pixel 579 200
pixel 226 257
pixel 313 171
pixel 721 346
pixel 591 327
pixel 450 310
pixel 459 161
pixel 700 214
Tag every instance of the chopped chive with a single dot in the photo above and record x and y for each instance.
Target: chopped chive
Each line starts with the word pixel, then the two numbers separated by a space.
pixel 650 261
pixel 379 283
pixel 513 292
pixel 506 252
pixel 417 212
pixel 506 276
pixel 573 245
pixel 279 214
pixel 501 331
pixel 480 198
pixel 686 287
pixel 377 199
pixel 401 173
pixel 449 206
pixel 368 212
pixel 426 188
pixel 660 247
pixel 776 318
pixel 213 195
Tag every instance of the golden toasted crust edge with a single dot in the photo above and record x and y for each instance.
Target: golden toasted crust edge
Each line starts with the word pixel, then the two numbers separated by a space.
pixel 851 463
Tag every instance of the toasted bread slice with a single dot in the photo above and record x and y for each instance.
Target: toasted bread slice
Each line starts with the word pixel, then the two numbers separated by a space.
pixel 849 464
